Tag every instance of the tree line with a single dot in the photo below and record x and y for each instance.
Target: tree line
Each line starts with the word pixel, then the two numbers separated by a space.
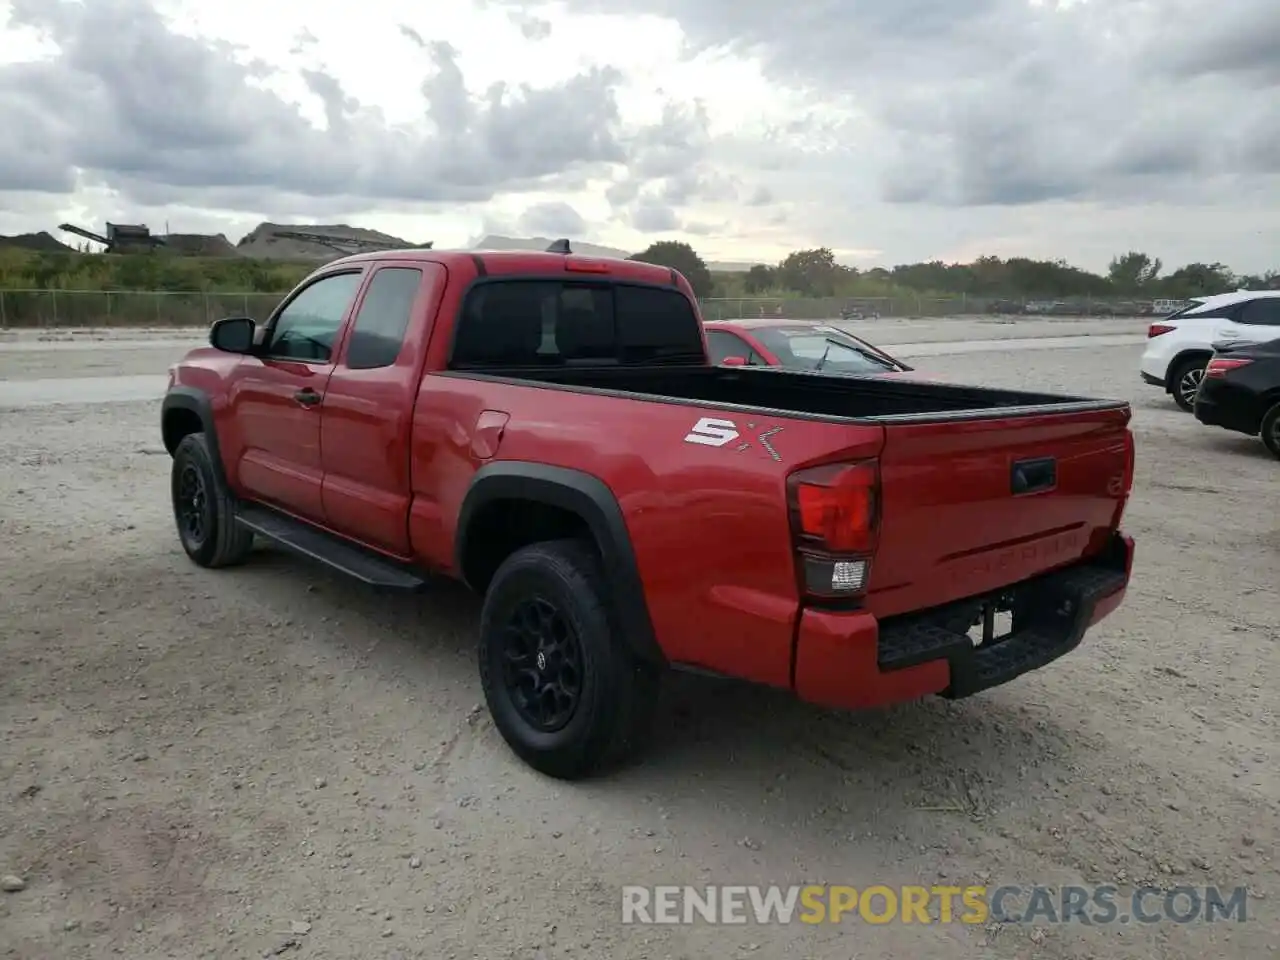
pixel 803 273
pixel 815 273
pixel 45 270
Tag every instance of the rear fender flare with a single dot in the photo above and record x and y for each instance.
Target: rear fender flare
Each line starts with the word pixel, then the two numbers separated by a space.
pixel 589 498
pixel 190 400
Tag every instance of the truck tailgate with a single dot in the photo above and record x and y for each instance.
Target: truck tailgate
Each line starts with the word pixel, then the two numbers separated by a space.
pixel 970 506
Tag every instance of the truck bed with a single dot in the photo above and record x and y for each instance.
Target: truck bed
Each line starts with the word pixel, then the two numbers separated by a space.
pixel 981 487
pixel 806 394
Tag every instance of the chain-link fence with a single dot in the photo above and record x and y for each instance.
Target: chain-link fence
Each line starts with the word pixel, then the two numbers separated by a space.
pixel 98 308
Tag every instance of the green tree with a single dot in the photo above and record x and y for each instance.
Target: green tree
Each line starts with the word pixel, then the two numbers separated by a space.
pixel 759 279
pixel 813 273
pixel 1200 279
pixel 1265 281
pixel 679 256
pixel 1133 272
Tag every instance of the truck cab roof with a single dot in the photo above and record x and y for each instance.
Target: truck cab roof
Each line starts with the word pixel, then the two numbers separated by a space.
pixel 534 262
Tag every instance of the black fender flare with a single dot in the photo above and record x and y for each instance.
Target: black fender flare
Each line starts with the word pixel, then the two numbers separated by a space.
pixel 590 498
pixel 193 400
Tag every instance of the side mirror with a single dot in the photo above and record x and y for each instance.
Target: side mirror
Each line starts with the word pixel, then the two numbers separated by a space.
pixel 233 334
pixel 734 361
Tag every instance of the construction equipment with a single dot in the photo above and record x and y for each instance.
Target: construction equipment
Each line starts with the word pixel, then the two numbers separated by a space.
pixel 120 238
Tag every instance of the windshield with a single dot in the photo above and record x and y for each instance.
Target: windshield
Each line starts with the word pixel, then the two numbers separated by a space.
pixel 820 347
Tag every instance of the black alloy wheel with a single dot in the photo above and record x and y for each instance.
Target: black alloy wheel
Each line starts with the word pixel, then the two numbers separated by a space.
pixel 565 690
pixel 542 665
pixel 192 507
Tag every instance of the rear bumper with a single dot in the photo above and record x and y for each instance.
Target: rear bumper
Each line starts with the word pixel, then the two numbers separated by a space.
pixel 849 661
pixel 1217 407
pixel 1154 364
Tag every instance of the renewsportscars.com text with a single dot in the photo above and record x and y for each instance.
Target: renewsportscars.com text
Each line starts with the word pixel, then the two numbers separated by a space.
pixel 978 904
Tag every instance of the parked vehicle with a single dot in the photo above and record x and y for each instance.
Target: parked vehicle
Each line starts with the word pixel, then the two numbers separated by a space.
pixel 796 345
pixel 854 312
pixel 1241 390
pixel 1180 345
pixel 548 429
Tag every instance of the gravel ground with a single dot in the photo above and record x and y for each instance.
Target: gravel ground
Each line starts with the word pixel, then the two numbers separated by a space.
pixel 200 764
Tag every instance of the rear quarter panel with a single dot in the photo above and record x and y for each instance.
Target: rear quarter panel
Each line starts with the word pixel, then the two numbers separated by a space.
pixel 708 524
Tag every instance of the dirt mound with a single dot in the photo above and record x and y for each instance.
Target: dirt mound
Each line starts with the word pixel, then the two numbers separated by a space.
pixel 42 241
pixel 265 241
pixel 199 245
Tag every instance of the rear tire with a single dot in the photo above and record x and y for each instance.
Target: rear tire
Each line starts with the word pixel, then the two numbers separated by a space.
pixel 562 686
pixel 1185 380
pixel 203 508
pixel 1270 430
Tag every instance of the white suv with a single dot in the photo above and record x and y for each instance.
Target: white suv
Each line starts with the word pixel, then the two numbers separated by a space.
pixel 1179 346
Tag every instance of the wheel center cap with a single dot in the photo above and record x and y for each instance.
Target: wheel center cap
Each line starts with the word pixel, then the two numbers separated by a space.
pixel 542 660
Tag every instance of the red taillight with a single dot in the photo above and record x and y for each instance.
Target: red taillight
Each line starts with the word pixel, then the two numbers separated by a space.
pixel 1158 328
pixel 1130 461
pixel 1126 480
pixel 1221 366
pixel 835 518
pixel 835 506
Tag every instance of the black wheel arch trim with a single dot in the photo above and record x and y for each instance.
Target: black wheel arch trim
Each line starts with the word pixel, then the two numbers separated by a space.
pixel 194 400
pixel 591 499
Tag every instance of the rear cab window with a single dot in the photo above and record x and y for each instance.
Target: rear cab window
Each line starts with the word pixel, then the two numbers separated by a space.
pixel 554 321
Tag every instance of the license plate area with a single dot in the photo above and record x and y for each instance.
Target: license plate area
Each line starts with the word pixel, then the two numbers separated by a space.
pixel 993 623
pixel 1031 623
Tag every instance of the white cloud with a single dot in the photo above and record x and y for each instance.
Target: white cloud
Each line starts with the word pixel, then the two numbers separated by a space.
pixel 890 130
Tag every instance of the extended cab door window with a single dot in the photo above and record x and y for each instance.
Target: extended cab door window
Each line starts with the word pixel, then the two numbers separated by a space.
pixel 306 328
pixel 377 333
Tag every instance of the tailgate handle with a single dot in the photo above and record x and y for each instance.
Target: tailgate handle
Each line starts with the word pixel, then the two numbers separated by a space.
pixel 1033 476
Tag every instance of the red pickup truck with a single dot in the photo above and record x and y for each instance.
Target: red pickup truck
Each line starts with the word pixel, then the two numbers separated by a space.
pixel 548 429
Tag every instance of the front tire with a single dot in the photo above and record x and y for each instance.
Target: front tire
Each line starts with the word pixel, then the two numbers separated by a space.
pixel 203 509
pixel 1186 381
pixel 564 690
pixel 1270 430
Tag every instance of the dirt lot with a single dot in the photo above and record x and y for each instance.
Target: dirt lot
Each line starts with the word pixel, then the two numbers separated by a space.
pixel 199 764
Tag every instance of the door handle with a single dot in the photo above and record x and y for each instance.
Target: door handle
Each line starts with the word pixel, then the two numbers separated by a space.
pixel 307 397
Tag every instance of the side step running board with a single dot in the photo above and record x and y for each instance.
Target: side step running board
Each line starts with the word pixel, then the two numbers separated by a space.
pixel 304 539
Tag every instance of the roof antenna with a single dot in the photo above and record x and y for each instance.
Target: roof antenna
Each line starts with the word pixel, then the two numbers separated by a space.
pixel 560 246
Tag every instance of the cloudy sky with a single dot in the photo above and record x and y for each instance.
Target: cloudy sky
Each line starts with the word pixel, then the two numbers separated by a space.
pixel 889 130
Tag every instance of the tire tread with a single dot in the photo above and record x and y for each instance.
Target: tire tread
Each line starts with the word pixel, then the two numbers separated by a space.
pixel 618 733
pixel 231 541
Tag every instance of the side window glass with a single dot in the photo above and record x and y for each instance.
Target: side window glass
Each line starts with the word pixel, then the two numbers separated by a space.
pixel 721 345
pixel 378 330
pixel 1264 312
pixel 307 328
